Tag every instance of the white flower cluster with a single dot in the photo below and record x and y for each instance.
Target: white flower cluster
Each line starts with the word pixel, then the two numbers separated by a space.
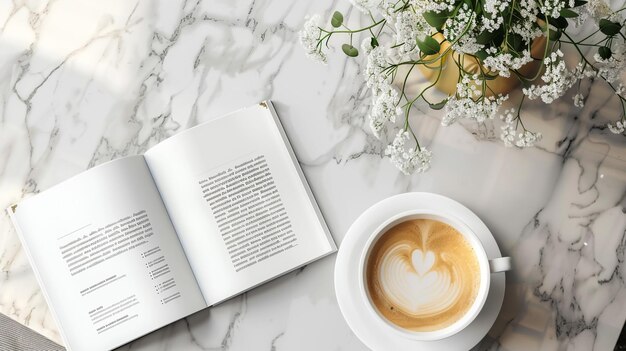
pixel 384 109
pixel 612 68
pixel 409 27
pixel 618 128
pixel 366 6
pixel 529 10
pixel 598 9
pixel 528 30
pixel 558 79
pixel 510 136
pixel 421 6
pixel 309 39
pixel 457 29
pixel 579 100
pixel 553 7
pixel 494 20
pixel 470 104
pixel 385 97
pixel 505 62
pixel 375 75
pixel 408 159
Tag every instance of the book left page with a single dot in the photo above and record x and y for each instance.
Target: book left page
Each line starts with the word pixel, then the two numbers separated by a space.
pixel 106 256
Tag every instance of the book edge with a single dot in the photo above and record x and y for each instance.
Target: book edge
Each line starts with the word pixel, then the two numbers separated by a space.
pixel 12 210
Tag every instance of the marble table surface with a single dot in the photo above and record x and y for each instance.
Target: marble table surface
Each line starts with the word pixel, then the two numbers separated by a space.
pixel 84 82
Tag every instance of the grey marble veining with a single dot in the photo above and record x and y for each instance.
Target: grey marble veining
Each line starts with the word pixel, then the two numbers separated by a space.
pixel 84 82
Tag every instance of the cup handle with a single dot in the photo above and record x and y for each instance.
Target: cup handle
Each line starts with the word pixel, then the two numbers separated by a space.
pixel 500 264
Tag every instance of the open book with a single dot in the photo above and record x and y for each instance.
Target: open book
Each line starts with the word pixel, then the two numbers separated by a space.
pixel 140 242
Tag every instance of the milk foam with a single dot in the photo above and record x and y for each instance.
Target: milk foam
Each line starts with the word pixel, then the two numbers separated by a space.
pixel 423 275
pixel 416 287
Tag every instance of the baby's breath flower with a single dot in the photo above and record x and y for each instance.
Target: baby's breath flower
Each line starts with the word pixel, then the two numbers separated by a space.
pixel 409 27
pixel 407 159
pixel 310 37
pixel 366 45
pixel 469 103
pixel 558 79
pixel 421 6
pixel 598 9
pixel 457 29
pixel 618 128
pixel 509 134
pixel 553 7
pixel 385 109
pixel 528 138
pixel 505 62
pixel 579 100
pixel 529 10
pixel 611 68
pixel 494 8
pixel 527 29
pixel 509 128
pixel 375 75
pixel 366 6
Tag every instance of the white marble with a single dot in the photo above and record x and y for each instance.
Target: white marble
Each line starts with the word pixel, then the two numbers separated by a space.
pixel 83 82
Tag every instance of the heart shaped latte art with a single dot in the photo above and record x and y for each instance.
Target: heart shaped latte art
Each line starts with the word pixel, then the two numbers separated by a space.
pixel 422 275
pixel 413 286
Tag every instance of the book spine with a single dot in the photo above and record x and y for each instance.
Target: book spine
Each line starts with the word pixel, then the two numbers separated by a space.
pixel 268 104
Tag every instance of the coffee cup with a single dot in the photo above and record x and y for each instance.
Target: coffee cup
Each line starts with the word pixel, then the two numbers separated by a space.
pixel 425 275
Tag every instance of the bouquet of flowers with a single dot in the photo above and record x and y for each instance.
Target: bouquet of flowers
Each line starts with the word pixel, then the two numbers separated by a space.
pixel 501 39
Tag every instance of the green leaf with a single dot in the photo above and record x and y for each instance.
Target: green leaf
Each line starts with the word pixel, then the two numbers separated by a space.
pixel 604 52
pixel 438 105
pixel 429 45
pixel 350 50
pixel 498 37
pixel 374 42
pixel 515 41
pixel 608 27
pixel 481 54
pixel 337 19
pixel 579 3
pixel 554 35
pixel 485 37
pixel 436 19
pixel 567 13
pixel 559 22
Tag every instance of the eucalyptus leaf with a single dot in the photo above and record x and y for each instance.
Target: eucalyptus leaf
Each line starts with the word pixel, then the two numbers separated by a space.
pixel 481 54
pixel 485 37
pixel 436 19
pixel 498 37
pixel 337 19
pixel 429 45
pixel 515 41
pixel 567 13
pixel 374 42
pixel 579 3
pixel 438 105
pixel 350 50
pixel 609 27
pixel 559 22
pixel 604 52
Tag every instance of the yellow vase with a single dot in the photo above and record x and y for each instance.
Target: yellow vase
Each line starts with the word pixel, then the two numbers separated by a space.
pixel 450 71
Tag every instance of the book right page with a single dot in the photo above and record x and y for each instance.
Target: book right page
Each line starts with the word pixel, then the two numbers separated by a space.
pixel 239 203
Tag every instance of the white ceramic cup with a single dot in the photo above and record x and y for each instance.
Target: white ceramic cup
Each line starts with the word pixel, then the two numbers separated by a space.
pixel 487 267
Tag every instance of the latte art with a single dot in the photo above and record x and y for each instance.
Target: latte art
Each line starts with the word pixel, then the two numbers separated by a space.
pixel 422 275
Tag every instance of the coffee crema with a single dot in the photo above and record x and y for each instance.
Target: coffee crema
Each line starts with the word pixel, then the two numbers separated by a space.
pixel 422 275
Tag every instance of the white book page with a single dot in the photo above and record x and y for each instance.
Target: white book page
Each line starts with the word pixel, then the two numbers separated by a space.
pixel 107 256
pixel 240 206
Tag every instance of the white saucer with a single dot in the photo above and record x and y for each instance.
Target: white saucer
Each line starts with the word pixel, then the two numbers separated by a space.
pixel 347 286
